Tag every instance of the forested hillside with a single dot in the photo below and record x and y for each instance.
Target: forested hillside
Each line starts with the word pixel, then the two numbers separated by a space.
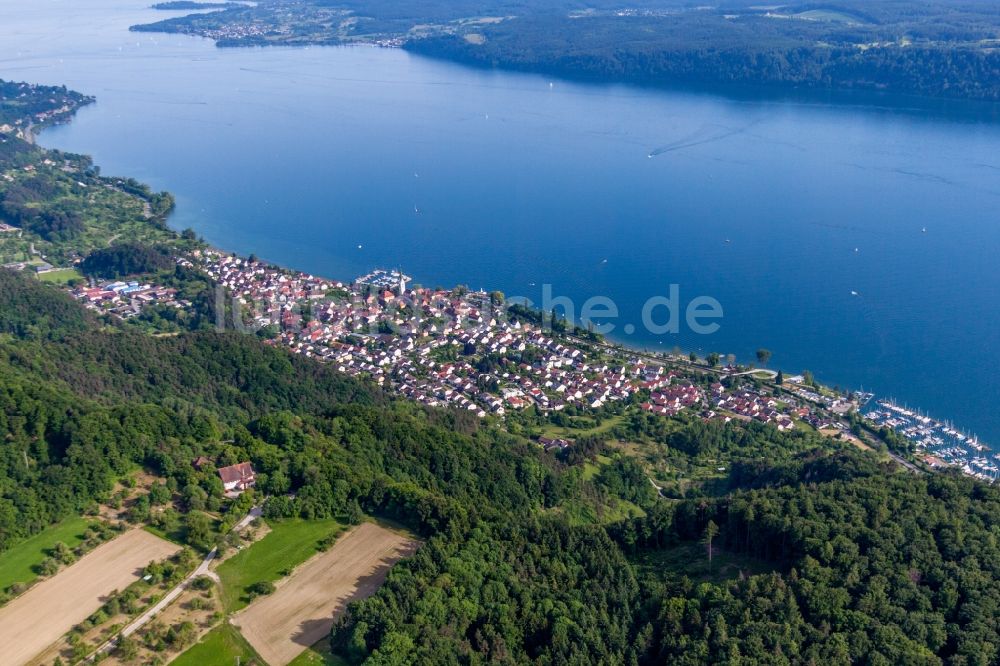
pixel 932 48
pixel 819 554
pixel 750 50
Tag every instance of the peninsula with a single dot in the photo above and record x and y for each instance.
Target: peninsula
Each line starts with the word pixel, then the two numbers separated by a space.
pixel 930 48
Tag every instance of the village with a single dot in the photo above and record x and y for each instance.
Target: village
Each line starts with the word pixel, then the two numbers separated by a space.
pixel 466 350
pixel 462 349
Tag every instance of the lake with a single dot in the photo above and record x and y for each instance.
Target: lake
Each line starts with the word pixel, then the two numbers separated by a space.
pixel 859 241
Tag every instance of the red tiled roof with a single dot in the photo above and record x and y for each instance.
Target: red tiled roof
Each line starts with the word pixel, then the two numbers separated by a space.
pixel 237 472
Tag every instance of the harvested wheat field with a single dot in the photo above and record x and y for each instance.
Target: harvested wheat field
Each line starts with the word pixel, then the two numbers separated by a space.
pixel 36 619
pixel 303 608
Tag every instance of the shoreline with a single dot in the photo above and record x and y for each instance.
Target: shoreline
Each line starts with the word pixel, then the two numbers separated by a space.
pixel 445 42
pixel 614 343
pixel 621 346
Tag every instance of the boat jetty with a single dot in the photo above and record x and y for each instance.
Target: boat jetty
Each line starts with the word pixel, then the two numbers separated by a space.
pixel 385 279
pixel 938 443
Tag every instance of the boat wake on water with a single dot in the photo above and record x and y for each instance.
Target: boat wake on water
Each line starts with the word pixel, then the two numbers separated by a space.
pixel 707 133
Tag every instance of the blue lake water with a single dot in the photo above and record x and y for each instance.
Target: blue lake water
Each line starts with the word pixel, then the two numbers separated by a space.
pixel 510 181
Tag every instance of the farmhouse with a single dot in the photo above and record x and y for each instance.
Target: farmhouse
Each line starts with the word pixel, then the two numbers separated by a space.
pixel 237 478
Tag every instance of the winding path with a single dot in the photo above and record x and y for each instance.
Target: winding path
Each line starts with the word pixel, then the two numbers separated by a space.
pixel 659 489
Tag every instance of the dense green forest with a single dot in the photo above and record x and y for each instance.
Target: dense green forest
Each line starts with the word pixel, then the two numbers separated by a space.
pixel 819 554
pixel 125 259
pixel 623 50
pixel 932 48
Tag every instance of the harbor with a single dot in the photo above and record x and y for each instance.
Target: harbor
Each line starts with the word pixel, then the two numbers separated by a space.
pixel 938 443
pixel 384 279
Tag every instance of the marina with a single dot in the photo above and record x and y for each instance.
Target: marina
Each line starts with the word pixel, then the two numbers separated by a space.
pixel 938 443
pixel 384 279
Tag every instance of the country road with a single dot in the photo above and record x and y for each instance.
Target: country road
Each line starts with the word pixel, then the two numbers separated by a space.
pixel 202 570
